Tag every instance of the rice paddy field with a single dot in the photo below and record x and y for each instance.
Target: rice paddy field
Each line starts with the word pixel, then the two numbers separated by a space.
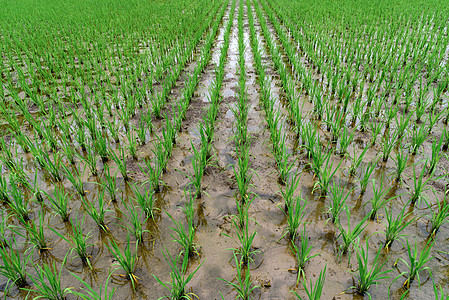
pixel 224 149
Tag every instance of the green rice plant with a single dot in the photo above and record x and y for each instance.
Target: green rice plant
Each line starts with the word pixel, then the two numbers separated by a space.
pixel 78 241
pixel 91 294
pixel 349 236
pixel 100 144
pixel 295 213
pixel 135 221
pixel 244 285
pixel 346 139
pixel 337 202
pixel 245 241
pixel 199 162
pixel 145 200
pixel 365 175
pixel 420 185
pixel 402 123
pixel 48 282
pixel 126 259
pixel 13 264
pixel 53 167
pixel 141 131
pixel 290 187
pixel 388 144
pixel 132 144
pixel 376 128
pixel 90 159
pixel 379 198
pixel 17 202
pixel 3 188
pixel 243 174
pixel 395 226
pixel 120 161
pixel 113 129
pixel 68 150
pixel 60 203
pixel 439 216
pixel 281 157
pixel 154 174
pixel 419 136
pixel 315 291
pixel 326 175
pixel 401 163
pixel 368 276
pixel 436 155
pixel 75 179
pixel 185 240
pixel 110 183
pixel 302 253
pixel 97 215
pixel 417 262
pixel 356 161
pixel 3 227
pixel 179 279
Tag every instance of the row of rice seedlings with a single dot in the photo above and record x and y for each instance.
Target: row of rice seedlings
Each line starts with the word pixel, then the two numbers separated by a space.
pixel 286 78
pixel 178 273
pixel 272 115
pixel 242 169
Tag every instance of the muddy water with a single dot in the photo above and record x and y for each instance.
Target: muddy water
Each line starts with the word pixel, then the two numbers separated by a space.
pixel 274 267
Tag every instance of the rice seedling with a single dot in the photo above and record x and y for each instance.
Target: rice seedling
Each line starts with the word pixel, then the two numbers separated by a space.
pixel 368 275
pixel 199 162
pixel 75 179
pixel 295 213
pixel 179 279
pixel 365 176
pixel 417 262
pixel 110 183
pixel 418 137
pixel 126 259
pixel 145 200
pixel 395 226
pixel 389 142
pixel 315 291
pixel 436 155
pixel 136 220
pixel 379 198
pixel 349 236
pixel 346 139
pixel 60 203
pixel 120 161
pixel 17 202
pixel 302 253
pixel 90 293
pixel 439 216
pixel 337 202
pixel 401 164
pixel 185 240
pixel 154 174
pixel 245 240
pixel 244 285
pixel 356 161
pixel 132 144
pixel 97 215
pixel 326 175
pixel 90 159
pixel 13 264
pixel 420 185
pixel 78 240
pixel 48 282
